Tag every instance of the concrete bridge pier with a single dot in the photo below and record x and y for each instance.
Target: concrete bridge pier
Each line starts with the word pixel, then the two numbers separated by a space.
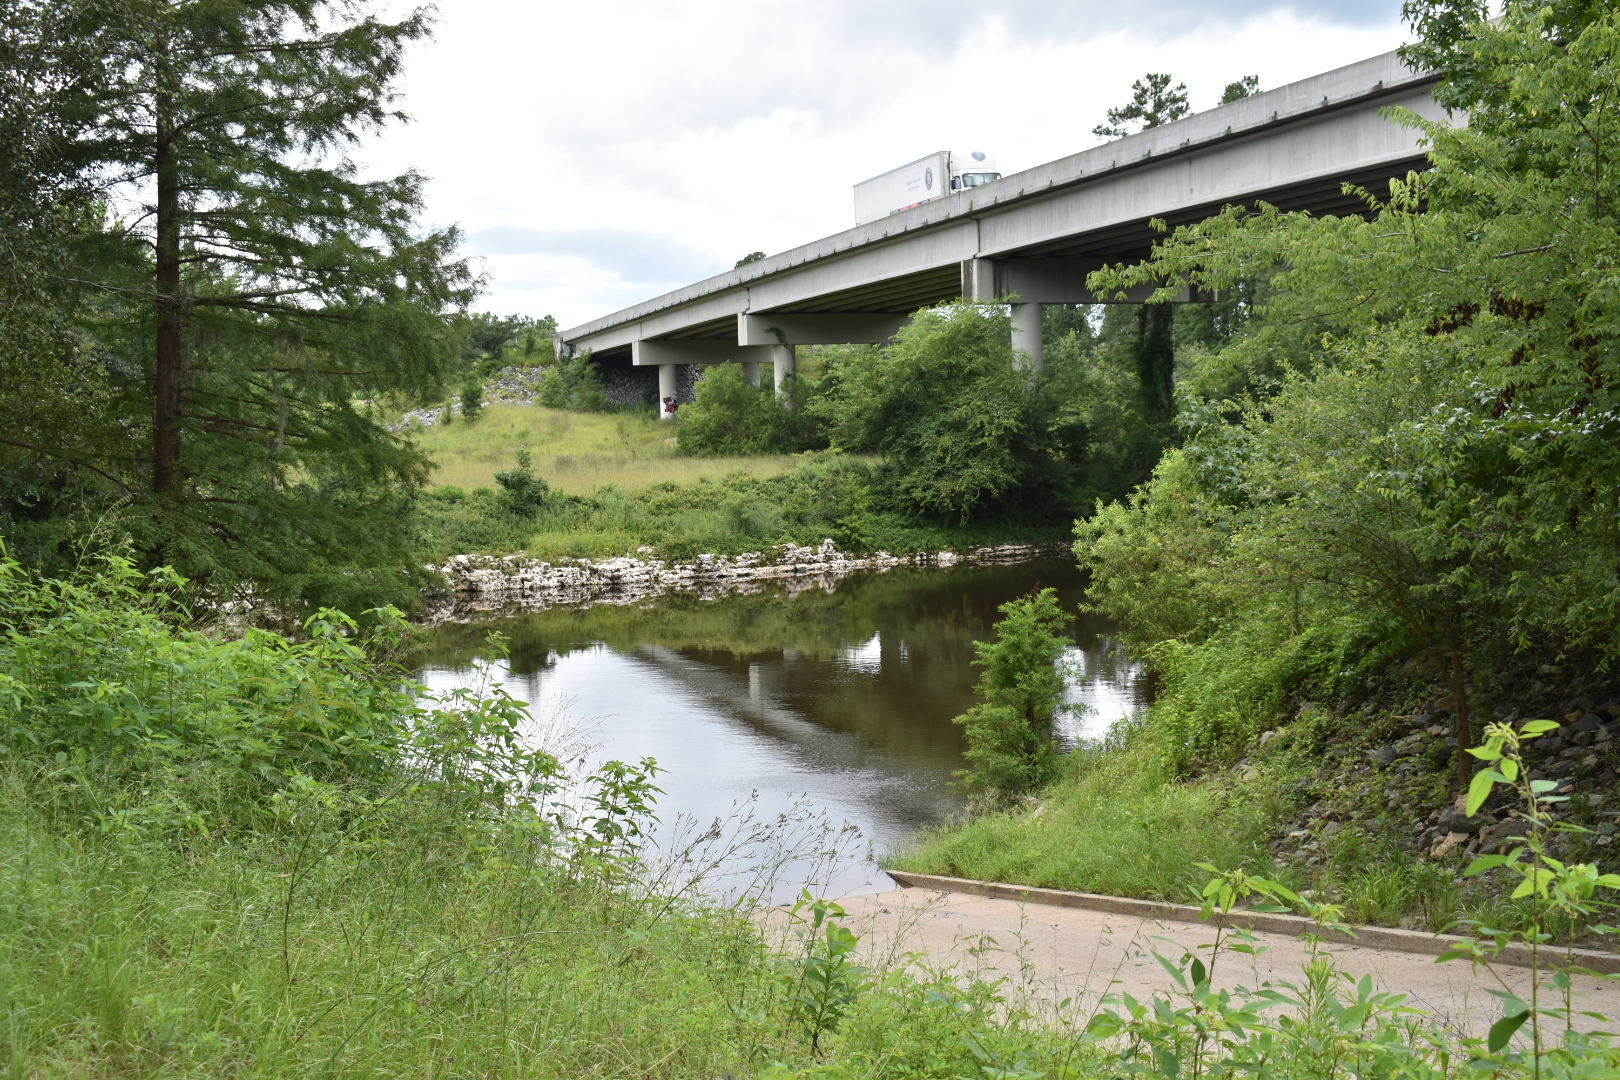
pixel 666 388
pixel 1028 351
pixel 783 369
pixel 751 372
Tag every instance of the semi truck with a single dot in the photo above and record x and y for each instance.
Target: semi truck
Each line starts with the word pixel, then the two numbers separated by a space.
pixel 941 173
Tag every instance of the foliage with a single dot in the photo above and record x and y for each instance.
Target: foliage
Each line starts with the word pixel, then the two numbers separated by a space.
pixel 731 416
pixel 1334 1025
pixel 1560 893
pixel 1238 89
pixel 472 399
pixel 1103 444
pixel 1158 560
pixel 824 980
pixel 1009 732
pixel 955 422
pixel 235 287
pixel 522 492
pixel 491 342
pixel 573 382
pixel 1423 411
pixel 1153 102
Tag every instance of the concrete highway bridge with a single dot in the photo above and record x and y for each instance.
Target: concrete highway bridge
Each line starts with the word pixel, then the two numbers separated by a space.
pixel 1033 235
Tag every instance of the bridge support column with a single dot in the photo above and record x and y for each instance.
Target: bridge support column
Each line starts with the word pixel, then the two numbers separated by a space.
pixel 666 390
pixel 784 366
pixel 1028 353
pixel 751 372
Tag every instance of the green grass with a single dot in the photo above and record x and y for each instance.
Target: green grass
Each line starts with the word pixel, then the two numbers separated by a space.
pixel 266 858
pixel 577 453
pixel 1117 824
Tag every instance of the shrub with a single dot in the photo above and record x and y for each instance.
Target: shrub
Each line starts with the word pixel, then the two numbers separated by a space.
pixel 1009 746
pixel 522 492
pixel 729 416
pixel 575 383
pixel 472 399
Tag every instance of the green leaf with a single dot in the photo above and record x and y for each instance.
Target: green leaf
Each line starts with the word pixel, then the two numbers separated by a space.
pixel 1503 1030
pixel 1484 863
pixel 1537 727
pixel 1479 789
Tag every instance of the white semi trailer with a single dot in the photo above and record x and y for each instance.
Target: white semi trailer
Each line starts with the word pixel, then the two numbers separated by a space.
pixel 941 173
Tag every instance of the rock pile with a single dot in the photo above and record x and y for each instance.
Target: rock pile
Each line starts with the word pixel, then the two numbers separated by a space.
pixel 478 585
pixel 509 386
pixel 1401 784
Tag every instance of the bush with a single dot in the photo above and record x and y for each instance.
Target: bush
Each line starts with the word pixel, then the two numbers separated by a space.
pixel 1009 732
pixel 523 494
pixel 472 399
pixel 573 383
pixel 729 416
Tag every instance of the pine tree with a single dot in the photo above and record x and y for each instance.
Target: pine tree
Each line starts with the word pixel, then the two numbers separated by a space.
pixel 251 285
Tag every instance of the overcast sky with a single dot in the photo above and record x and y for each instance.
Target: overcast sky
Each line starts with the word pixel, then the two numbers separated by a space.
pixel 599 152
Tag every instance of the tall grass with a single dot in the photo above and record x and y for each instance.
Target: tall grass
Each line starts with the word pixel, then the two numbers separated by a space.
pixel 273 956
pixel 577 453
pixel 226 859
pixel 1118 823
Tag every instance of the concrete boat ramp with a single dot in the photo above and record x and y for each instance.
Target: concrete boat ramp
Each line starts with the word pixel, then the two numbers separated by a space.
pixel 1059 953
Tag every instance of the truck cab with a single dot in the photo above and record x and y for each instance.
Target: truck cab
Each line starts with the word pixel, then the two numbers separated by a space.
pixel 971 168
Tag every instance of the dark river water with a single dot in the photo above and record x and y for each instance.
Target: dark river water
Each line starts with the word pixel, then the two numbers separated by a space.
pixel 809 732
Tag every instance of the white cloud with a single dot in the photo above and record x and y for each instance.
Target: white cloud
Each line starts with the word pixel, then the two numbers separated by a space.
pixel 654 137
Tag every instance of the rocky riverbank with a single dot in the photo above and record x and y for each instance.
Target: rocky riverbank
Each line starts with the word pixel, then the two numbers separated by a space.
pixel 1394 787
pixel 477 586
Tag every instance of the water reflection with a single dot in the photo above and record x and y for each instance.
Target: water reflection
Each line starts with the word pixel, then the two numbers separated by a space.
pixel 843 697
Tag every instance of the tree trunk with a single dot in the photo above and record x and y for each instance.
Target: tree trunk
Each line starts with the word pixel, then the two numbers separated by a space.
pixel 169 378
pixel 1461 721
pixel 1156 358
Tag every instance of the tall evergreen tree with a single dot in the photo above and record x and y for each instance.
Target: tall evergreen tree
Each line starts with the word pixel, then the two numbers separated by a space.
pixel 259 285
pixel 1154 102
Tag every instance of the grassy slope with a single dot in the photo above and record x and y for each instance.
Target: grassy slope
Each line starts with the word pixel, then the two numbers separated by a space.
pixel 1115 824
pixel 575 452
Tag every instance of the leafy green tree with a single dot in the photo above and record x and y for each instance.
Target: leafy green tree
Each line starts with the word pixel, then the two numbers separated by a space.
pixel 751 257
pixel 574 382
pixel 53 389
pixel 251 285
pixel 1154 102
pixel 1020 690
pixel 728 416
pixel 956 422
pixel 523 494
pixel 1443 460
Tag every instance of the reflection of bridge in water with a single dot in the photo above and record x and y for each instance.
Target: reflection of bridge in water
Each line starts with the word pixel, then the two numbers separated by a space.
pixel 752 699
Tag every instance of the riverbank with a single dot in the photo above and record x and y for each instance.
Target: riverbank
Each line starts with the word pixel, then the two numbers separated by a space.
pixel 1349 803
pixel 478 586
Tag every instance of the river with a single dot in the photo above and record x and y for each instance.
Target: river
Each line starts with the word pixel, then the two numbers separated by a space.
pixel 810 731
